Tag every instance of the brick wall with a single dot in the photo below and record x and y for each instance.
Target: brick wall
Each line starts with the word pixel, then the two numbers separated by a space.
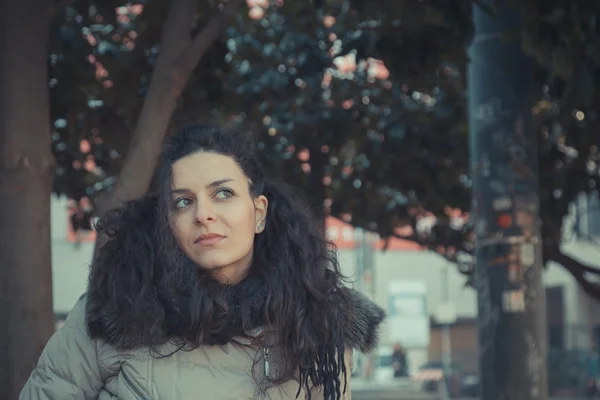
pixel 463 343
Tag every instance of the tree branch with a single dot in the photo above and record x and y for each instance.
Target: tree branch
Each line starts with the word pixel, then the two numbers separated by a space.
pixel 176 30
pixel 577 269
pixel 193 52
pixel 585 268
pixel 113 130
pixel 59 4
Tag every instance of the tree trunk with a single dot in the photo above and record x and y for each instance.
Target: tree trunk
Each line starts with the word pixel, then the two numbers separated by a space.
pixel 508 273
pixel 26 165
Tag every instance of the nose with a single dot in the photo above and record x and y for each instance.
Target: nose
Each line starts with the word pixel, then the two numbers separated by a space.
pixel 204 214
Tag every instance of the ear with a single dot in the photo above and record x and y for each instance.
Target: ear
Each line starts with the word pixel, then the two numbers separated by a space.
pixel 261 204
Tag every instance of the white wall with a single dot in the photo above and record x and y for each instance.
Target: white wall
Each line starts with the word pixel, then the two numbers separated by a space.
pixel 70 266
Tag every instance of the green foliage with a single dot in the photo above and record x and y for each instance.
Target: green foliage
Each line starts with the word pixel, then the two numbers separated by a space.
pixel 269 74
pixel 313 78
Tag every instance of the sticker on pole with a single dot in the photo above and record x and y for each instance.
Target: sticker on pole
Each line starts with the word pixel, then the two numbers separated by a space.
pixel 527 255
pixel 502 203
pixel 515 274
pixel 513 301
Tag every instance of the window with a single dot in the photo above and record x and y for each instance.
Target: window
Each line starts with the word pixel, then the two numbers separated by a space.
pixel 586 218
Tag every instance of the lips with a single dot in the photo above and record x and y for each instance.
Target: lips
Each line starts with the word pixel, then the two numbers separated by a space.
pixel 208 239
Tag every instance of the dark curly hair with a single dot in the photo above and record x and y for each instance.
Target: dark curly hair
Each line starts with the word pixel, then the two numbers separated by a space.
pixel 151 283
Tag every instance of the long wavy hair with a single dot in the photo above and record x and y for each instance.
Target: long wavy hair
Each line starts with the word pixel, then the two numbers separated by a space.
pixel 143 274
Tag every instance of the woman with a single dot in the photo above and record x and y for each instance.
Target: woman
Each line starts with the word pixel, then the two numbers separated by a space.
pixel 219 286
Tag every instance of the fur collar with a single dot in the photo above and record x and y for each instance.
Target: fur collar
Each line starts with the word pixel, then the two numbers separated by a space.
pixel 361 331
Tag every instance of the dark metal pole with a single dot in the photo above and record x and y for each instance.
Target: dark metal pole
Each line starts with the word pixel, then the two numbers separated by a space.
pixel 365 261
pixel 446 333
pixel 503 143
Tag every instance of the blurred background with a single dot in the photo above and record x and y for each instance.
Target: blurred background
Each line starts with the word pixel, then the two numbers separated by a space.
pixel 439 140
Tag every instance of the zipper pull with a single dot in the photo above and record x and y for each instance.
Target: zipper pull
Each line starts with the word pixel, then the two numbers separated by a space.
pixel 267 366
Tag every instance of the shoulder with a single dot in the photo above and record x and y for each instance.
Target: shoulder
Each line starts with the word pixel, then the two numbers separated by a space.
pixel 73 342
pixel 76 317
pixel 77 326
pixel 76 322
pixel 74 330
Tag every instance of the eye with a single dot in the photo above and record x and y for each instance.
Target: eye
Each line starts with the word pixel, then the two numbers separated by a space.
pixel 224 194
pixel 182 203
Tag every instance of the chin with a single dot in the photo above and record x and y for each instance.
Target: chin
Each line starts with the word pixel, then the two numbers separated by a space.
pixel 225 270
pixel 212 263
pixel 209 266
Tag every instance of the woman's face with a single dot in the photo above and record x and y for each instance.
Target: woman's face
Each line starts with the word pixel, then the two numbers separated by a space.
pixel 214 218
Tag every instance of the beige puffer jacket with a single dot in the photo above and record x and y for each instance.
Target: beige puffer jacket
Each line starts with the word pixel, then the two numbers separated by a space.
pixel 75 367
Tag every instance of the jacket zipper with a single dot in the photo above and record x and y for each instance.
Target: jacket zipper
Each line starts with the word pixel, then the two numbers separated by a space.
pixel 134 387
pixel 267 367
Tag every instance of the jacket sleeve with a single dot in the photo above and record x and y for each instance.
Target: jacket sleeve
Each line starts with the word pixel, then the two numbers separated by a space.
pixel 316 393
pixel 68 368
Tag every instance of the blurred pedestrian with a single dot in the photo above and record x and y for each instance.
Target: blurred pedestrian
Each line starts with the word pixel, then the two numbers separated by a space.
pixel 81 220
pixel 220 285
pixel 399 361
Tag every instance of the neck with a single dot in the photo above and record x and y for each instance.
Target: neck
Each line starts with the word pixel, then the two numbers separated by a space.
pixel 232 274
pixel 230 277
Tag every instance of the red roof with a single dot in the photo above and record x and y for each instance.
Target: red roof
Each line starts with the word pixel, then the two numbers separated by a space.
pixel 342 234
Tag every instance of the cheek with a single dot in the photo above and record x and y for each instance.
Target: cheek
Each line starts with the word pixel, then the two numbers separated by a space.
pixel 247 225
pixel 177 227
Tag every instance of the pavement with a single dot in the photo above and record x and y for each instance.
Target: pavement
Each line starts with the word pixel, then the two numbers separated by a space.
pixel 389 395
pixel 401 390
pixel 397 390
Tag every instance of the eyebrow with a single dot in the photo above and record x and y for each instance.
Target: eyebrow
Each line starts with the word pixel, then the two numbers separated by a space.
pixel 211 185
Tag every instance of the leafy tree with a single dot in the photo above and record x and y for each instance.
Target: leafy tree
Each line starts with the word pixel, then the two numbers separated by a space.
pixel 309 82
pixel 272 77
pixel 335 121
